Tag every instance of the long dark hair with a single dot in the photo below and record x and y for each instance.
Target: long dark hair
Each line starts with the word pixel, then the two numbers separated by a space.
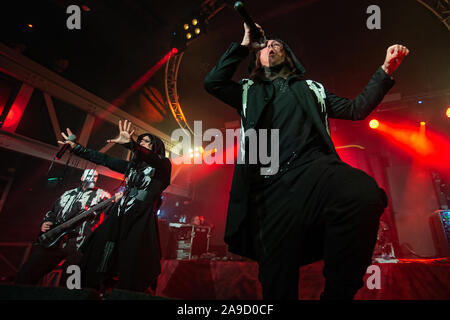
pixel 290 66
pixel 158 145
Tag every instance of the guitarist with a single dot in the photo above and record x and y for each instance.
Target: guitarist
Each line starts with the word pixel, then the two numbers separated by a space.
pixel 71 203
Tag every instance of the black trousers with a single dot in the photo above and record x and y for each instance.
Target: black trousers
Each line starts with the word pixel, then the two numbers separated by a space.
pixel 43 260
pixel 328 211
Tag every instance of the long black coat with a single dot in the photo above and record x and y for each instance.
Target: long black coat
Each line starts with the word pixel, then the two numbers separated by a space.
pixel 127 243
pixel 219 83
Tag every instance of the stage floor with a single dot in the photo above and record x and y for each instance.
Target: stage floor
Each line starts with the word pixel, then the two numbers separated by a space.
pixel 408 279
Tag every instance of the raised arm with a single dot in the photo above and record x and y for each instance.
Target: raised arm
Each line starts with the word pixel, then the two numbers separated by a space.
pixel 162 164
pixel 96 157
pixel 371 96
pixel 219 81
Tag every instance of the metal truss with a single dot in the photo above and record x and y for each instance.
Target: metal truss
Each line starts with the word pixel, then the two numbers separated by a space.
pixel 209 8
pixel 33 76
pixel 440 8
pixel 171 75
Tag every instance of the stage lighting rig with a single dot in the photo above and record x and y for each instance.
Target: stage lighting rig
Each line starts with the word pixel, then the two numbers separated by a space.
pixel 189 29
pixel 196 25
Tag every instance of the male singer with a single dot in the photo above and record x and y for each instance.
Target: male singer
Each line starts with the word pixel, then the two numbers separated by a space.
pixel 316 206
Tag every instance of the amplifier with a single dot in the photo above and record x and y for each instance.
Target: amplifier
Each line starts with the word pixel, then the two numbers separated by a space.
pixel 440 227
pixel 191 241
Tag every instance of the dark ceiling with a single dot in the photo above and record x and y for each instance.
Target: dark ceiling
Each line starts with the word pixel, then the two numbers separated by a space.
pixel 120 40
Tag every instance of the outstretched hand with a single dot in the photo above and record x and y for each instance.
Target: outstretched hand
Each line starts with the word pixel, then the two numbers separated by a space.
pixel 71 142
pixel 394 56
pixel 125 133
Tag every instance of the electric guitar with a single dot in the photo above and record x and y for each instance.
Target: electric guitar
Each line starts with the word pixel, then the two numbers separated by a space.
pixel 55 234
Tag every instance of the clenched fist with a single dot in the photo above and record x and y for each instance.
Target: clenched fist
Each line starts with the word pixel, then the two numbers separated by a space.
pixel 394 57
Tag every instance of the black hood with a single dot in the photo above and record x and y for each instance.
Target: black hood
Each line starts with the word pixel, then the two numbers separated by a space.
pixel 158 145
pixel 299 68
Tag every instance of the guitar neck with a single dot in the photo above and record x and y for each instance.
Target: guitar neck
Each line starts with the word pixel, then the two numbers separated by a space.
pixel 82 216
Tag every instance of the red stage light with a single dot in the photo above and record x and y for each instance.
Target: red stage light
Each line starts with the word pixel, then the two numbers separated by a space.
pixel 374 124
pixel 424 145
pixel 174 50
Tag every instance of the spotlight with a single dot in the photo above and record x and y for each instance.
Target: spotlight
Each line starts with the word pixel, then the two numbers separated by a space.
pixel 30 25
pixel 189 29
pixel 447 113
pixel 422 123
pixel 174 50
pixel 374 124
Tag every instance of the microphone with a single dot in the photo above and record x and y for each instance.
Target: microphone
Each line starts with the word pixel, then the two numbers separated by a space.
pixel 66 146
pixel 256 33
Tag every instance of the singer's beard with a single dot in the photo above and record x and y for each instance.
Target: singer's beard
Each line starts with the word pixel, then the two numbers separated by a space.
pixel 275 59
pixel 279 70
